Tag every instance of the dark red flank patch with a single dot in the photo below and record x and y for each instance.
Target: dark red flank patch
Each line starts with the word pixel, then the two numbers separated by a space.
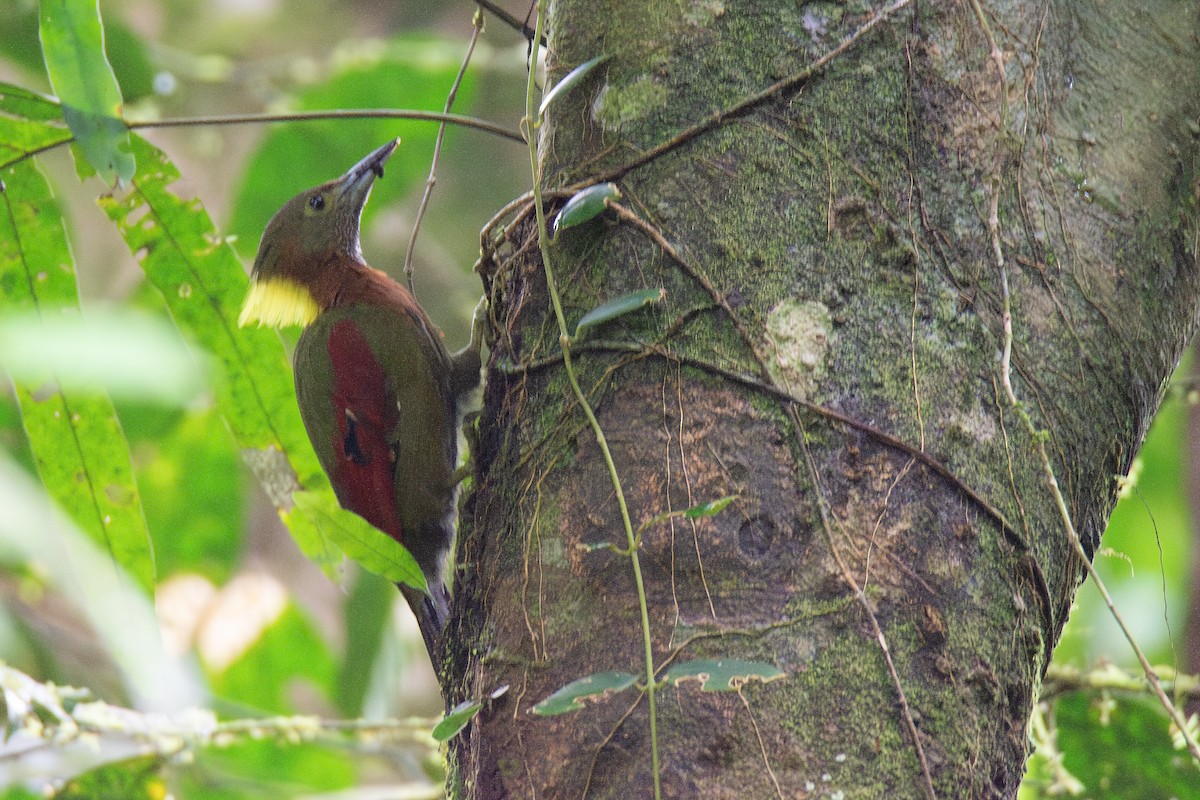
pixel 366 420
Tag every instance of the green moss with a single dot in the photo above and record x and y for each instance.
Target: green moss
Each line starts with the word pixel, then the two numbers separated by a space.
pixel 618 106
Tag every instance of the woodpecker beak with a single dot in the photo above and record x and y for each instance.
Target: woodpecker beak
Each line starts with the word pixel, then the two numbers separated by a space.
pixel 355 185
pixel 299 239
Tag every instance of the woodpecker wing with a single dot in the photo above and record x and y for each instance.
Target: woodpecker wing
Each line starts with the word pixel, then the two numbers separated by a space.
pixel 381 419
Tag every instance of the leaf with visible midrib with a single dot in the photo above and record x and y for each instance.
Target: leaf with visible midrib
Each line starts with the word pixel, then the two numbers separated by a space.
pixel 75 436
pixel 203 284
pixel 72 37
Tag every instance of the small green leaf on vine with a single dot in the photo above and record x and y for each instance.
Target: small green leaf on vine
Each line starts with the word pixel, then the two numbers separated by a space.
pixel 617 307
pixel 593 687
pixel 585 205
pixel 709 509
pixel 572 79
pixel 455 720
pixel 726 675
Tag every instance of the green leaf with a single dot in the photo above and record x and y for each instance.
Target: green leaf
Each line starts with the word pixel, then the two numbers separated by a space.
pixel 130 60
pixel 455 720
pixel 75 436
pixel 726 675
pixel 1120 746
pixel 203 284
pixel 21 138
pixel 134 778
pixel 313 539
pixel 594 687
pixel 709 509
pixel 27 124
pixel 572 79
pixel 16 101
pixel 359 539
pixel 585 205
pixel 412 72
pixel 72 38
pixel 617 307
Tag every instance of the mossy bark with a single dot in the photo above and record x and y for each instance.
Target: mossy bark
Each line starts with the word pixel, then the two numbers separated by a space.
pixel 833 244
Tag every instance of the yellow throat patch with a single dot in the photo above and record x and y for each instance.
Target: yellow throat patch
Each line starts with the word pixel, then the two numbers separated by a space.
pixel 277 303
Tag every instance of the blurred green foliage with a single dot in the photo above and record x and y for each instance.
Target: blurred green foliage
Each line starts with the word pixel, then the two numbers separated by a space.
pixel 219 553
pixel 208 524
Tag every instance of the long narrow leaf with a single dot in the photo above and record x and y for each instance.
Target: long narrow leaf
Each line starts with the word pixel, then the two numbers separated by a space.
pixel 29 123
pixel 17 101
pixel 73 45
pixel 455 720
pixel 203 284
pixel 725 675
pixel 592 688
pixel 75 436
pixel 617 307
pixel 358 539
pixel 585 205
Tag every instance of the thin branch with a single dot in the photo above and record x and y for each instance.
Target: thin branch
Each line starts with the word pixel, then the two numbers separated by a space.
pixel 336 113
pixel 437 152
pixel 508 19
pixel 1109 678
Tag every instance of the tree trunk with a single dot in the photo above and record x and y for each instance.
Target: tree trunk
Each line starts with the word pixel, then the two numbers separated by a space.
pixel 830 350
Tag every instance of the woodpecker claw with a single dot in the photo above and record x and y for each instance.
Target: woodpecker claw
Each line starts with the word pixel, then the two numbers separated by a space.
pixel 479 322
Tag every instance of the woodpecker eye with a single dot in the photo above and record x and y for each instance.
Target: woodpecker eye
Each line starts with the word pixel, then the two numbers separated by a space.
pixel 317 202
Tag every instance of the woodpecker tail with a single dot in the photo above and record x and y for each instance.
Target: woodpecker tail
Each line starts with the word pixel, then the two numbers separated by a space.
pixel 431 611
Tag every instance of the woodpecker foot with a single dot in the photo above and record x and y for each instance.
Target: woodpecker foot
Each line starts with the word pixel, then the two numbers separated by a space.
pixel 465 364
pixel 471 434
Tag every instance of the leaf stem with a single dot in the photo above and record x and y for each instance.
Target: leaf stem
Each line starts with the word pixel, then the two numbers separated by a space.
pixel 533 121
pixel 437 151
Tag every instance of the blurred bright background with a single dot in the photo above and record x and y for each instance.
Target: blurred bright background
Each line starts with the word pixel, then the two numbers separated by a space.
pixel 249 626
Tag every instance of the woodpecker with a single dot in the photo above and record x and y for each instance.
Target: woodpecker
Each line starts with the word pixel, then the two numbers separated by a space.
pixel 379 394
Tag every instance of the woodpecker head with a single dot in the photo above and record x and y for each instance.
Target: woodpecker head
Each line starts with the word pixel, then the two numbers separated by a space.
pixel 313 230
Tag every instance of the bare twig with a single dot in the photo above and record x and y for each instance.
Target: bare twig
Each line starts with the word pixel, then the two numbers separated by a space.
pixel 508 19
pixel 437 152
pixel 336 113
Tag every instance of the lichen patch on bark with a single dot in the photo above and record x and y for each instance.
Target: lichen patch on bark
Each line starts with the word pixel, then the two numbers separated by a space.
pixel 800 332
